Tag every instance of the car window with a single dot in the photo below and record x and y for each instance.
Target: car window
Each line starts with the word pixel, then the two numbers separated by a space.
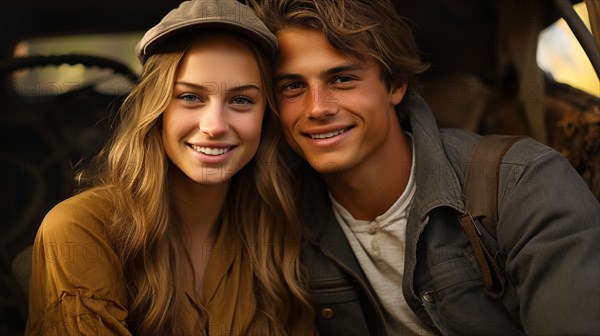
pixel 560 54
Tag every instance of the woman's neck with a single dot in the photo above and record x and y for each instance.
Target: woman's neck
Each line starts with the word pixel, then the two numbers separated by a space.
pixel 199 208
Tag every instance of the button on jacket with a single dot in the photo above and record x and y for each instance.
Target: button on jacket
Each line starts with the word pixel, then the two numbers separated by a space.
pixel 548 240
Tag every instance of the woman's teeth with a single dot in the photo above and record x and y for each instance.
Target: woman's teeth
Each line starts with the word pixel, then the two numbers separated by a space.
pixel 210 151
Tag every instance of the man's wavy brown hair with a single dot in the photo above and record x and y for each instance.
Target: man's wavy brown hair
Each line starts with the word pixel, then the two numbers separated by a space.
pixel 359 28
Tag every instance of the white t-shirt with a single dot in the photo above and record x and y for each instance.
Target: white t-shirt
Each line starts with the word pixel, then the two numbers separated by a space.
pixel 379 247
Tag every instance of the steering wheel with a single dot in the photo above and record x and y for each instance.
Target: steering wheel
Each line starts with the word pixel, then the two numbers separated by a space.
pixel 44 137
pixel 10 65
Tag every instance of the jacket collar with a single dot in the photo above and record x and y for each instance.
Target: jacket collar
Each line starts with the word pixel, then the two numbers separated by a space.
pixel 437 183
pixel 319 216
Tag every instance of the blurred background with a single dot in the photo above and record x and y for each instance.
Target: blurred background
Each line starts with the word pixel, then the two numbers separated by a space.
pixel 560 54
pixel 497 66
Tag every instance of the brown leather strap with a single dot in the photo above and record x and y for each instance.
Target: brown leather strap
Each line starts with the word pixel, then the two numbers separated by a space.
pixel 481 179
pixel 470 229
pixel 493 276
pixel 481 201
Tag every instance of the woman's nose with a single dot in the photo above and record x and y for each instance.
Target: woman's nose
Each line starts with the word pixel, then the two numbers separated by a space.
pixel 213 121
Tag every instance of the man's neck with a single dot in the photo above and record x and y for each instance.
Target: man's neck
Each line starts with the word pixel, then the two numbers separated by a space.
pixel 371 188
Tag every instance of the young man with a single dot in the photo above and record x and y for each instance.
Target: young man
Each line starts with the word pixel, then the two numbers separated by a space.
pixel 382 196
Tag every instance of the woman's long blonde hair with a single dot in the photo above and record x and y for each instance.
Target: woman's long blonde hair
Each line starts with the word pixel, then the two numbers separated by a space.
pixel 147 235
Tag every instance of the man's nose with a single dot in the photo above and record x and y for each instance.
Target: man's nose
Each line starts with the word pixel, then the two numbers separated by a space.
pixel 323 102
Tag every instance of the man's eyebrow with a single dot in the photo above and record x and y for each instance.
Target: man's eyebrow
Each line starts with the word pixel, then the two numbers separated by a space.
pixel 211 86
pixel 286 76
pixel 343 68
pixel 326 73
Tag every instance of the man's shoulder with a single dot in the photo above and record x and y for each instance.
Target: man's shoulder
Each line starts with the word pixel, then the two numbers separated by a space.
pixel 457 142
pixel 458 145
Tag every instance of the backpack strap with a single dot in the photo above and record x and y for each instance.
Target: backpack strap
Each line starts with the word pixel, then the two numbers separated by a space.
pixel 481 201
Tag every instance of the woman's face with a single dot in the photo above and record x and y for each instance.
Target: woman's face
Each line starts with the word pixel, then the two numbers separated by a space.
pixel 211 127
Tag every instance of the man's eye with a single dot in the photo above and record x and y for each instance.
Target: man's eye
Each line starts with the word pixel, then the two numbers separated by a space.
pixel 293 86
pixel 292 89
pixel 343 79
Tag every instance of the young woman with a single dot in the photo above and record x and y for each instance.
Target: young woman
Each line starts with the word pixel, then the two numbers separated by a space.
pixel 187 226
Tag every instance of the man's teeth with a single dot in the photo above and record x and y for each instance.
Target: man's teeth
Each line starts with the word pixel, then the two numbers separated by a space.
pixel 210 151
pixel 328 134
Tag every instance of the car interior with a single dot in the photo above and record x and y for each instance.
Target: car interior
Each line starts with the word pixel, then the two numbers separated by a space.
pixel 66 66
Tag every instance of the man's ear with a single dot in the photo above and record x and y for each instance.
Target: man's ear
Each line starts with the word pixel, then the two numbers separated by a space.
pixel 397 93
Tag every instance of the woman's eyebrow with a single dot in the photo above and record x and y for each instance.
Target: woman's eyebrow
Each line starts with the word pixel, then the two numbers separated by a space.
pixel 211 86
pixel 238 88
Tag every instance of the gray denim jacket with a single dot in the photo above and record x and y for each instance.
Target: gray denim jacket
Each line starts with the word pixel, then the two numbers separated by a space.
pixel 548 238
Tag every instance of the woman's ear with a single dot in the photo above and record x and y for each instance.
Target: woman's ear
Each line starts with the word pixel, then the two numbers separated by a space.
pixel 397 93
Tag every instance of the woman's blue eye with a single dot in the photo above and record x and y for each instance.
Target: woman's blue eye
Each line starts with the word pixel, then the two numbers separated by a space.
pixel 241 101
pixel 189 98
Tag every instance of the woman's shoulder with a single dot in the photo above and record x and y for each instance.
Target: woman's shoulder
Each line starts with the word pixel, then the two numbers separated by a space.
pixel 96 198
pixel 86 213
pixel 77 279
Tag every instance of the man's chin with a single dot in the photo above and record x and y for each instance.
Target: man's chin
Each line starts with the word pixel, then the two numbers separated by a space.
pixel 325 167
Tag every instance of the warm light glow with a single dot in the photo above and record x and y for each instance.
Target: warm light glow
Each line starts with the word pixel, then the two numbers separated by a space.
pixel 560 53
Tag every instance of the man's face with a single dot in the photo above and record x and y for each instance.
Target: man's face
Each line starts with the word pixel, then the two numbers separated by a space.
pixel 336 110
